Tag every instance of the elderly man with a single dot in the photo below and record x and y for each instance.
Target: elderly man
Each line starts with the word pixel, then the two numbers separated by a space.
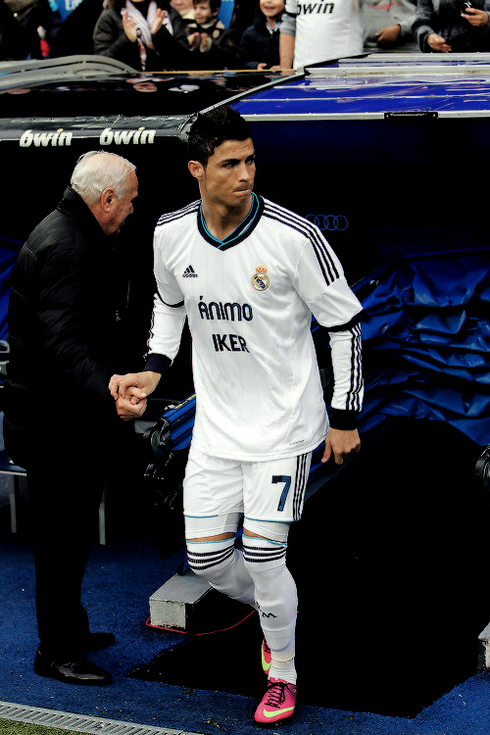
pixel 61 424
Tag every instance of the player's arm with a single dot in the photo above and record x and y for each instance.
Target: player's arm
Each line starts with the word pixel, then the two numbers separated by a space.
pixel 164 343
pixel 321 283
pixel 287 40
pixel 343 438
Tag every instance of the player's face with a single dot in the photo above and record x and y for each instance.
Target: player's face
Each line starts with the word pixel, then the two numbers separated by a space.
pixel 228 178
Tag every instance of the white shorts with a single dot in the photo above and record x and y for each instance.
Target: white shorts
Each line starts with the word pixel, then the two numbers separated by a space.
pixel 263 491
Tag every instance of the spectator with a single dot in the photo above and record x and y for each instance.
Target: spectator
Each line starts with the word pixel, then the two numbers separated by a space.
pixel 204 34
pixel 388 25
pixel 66 314
pixel 145 34
pixel 308 36
pixel 452 25
pixel 259 46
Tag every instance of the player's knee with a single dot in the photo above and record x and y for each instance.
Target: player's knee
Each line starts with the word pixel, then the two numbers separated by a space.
pixel 262 555
pixel 210 558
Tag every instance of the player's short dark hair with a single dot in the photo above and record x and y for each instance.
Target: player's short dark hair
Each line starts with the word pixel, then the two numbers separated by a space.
pixel 210 129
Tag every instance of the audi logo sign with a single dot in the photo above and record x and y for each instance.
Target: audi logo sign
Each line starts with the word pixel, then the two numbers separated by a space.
pixel 329 222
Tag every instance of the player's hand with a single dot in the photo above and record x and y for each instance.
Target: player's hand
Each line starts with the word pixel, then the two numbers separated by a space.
pixel 134 387
pixel 341 444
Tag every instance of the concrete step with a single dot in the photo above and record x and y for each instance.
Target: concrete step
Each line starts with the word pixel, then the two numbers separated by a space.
pixel 484 652
pixel 174 604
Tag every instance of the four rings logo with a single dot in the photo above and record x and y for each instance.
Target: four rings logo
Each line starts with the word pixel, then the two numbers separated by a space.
pixel 329 222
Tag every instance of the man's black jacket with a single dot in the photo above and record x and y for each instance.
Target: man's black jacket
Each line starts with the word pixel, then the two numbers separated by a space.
pixel 64 319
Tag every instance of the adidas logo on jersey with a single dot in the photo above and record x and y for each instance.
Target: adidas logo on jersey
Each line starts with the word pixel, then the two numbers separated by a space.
pixel 189 272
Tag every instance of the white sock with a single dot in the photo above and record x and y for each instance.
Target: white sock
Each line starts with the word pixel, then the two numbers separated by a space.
pixel 223 566
pixel 277 601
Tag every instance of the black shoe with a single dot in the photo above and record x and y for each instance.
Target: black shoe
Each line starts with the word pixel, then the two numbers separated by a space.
pixel 96 641
pixel 81 672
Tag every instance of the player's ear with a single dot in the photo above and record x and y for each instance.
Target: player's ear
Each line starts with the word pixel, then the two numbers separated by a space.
pixel 196 169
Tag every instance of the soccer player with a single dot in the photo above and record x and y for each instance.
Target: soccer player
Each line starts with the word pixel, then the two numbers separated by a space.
pixel 248 274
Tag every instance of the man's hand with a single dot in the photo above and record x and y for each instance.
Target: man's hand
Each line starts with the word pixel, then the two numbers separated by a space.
pixel 128 411
pixel 388 35
pixel 476 17
pixel 438 43
pixel 134 387
pixel 341 444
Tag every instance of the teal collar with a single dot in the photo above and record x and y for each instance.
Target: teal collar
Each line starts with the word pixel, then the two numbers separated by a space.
pixel 240 232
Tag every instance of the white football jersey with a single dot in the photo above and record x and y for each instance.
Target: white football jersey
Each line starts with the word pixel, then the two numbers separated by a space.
pixel 249 300
pixel 328 29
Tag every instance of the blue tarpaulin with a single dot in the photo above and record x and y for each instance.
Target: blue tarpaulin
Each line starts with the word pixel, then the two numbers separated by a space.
pixel 426 341
pixel 8 255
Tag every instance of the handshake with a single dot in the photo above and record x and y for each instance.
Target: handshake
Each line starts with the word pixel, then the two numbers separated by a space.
pixel 131 391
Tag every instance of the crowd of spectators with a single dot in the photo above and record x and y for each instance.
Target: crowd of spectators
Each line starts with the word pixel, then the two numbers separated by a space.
pixel 160 35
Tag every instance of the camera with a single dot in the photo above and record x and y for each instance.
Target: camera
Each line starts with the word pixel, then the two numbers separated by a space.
pixel 482 468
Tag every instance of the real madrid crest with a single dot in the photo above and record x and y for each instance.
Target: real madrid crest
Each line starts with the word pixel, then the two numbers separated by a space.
pixel 260 279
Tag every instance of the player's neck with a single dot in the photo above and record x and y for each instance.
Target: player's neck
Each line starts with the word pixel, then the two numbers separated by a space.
pixel 221 220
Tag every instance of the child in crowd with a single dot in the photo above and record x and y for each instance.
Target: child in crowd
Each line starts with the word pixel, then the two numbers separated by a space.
pixel 204 35
pixel 259 45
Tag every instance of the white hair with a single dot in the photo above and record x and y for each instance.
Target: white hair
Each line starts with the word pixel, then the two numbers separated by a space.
pixel 96 170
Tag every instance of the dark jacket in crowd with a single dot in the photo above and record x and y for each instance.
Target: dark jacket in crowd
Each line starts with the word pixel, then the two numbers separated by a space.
pixel 444 17
pixel 66 315
pixel 171 51
pixel 13 40
pixel 258 46
pixel 30 15
pixel 75 34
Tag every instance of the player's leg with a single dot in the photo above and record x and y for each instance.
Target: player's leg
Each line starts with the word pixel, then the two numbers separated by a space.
pixel 276 602
pixel 213 504
pixel 274 497
pixel 275 592
pixel 214 556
